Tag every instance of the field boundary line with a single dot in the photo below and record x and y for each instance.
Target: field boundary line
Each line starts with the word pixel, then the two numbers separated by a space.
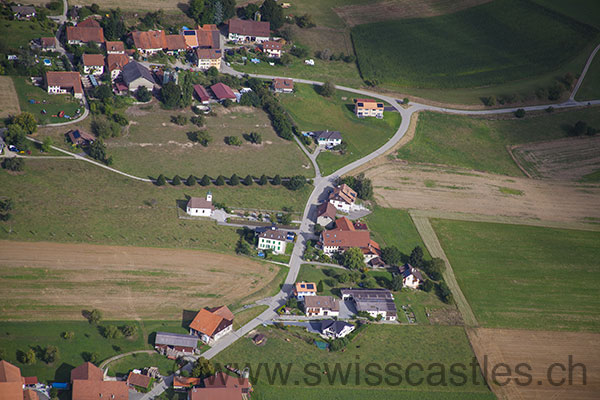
pixel 510 149
pixel 456 216
pixel 435 249
pixel 119 356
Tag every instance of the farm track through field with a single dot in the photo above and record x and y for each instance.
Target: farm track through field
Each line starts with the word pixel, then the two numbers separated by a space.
pixel 435 249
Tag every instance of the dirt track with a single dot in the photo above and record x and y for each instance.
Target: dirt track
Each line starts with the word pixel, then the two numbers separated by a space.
pixel 56 281
pixel 423 187
pixel 539 349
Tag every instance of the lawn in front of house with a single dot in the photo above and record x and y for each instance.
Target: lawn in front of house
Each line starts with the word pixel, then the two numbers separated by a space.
pixel 73 201
pixel 480 143
pixel 313 112
pixel 393 227
pixel 525 277
pixel 154 145
pixel 53 104
pixel 123 366
pixel 315 373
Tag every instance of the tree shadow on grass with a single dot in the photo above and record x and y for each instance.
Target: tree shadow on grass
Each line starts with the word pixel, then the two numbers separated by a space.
pixel 187 316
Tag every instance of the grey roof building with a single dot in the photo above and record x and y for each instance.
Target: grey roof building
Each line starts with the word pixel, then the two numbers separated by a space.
pixel 176 339
pixel 135 75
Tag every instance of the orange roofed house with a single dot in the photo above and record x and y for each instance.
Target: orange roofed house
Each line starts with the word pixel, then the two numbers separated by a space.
pixel 88 384
pixel 85 32
pixel 115 47
pixel 345 236
pixel 11 383
pixel 211 324
pixel 93 64
pixel 303 289
pixel 368 108
pixel 63 82
pixel 149 42
pixel 222 387
pixel 205 37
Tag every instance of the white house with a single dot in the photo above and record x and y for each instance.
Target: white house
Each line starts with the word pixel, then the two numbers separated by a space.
pixel 272 239
pixel 321 306
pixel 411 277
pixel 331 329
pixel 64 82
pixel 248 31
pixel 343 198
pixel 345 236
pixel 199 207
pixel 272 48
pixel 211 324
pixel 93 64
pixel 303 289
pixel 328 138
pixel 368 108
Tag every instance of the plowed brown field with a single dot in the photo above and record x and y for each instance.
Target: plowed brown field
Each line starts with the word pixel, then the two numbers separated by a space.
pixel 41 281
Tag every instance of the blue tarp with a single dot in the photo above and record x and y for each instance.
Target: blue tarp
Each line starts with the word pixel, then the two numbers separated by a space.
pixel 255 60
pixel 60 385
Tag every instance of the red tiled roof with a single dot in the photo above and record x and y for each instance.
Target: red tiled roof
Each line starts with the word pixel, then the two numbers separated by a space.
pixel 271 45
pixel 221 379
pixel 115 46
pixel 93 60
pixel 146 40
pixel 30 380
pixel 87 372
pixel 48 41
pixel 222 311
pixel 344 224
pixel 326 209
pixel 207 36
pixel 249 27
pixel 65 80
pixel 116 61
pixel 30 395
pixel 208 322
pixel 94 390
pixel 210 54
pixel 85 34
pixel 345 239
pixel 11 383
pixel 89 23
pixel 175 42
pixel 183 382
pixel 222 91
pixel 215 394
pixel 282 83
pixel 201 92
pixel 138 380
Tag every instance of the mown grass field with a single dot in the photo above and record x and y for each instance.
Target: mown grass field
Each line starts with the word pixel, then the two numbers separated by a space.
pixel 53 103
pixel 590 88
pixel 525 277
pixel 392 227
pixel 378 344
pixel 73 201
pixel 480 144
pixel 20 336
pixel 489 44
pixel 9 103
pixel 124 365
pixel 313 112
pixel 154 145
pixel 15 34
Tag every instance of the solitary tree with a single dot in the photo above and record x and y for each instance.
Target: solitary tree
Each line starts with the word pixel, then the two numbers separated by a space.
pixel 94 316
pixel 397 282
pixel 320 287
pixel 47 144
pixel 391 255
pixel 328 89
pixel 203 368
pixel 26 121
pixel 50 354
pixel 520 113
pixel 416 257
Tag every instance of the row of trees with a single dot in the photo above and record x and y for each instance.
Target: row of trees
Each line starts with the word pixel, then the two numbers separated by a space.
pixel 296 182
pixel 48 354
pixel 552 92
pixel 281 121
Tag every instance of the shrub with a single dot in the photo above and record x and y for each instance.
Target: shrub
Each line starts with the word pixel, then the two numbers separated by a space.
pixel 520 113
pixel 276 180
pixel 67 335
pixel 13 164
pixel 227 103
pixel 128 330
pixel 443 292
pixel 47 144
pixel 327 90
pixel 143 94
pixel 6 205
pixel 253 137
pixel 179 119
pixel 489 101
pixel 197 120
pixel 111 332
pixel 50 354
pixel 233 140
pixel 93 316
